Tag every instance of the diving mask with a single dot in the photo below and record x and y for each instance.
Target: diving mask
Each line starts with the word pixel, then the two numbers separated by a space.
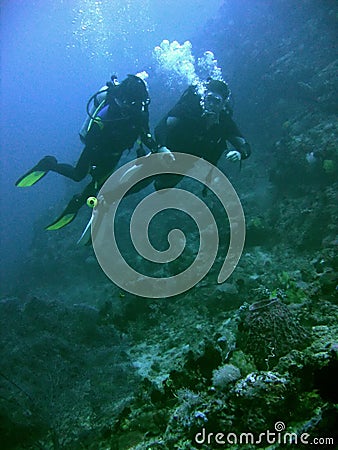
pixel 212 103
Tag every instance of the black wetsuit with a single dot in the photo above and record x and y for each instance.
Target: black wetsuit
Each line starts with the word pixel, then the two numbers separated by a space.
pixel 116 130
pixel 105 142
pixel 184 129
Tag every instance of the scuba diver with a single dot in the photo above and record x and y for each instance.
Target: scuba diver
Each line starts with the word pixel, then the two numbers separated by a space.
pixel 201 124
pixel 117 118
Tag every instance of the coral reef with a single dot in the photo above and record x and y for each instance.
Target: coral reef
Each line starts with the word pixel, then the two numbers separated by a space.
pixel 60 367
pixel 86 365
pixel 268 330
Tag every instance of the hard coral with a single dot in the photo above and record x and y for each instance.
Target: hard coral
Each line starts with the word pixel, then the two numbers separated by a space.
pixel 269 330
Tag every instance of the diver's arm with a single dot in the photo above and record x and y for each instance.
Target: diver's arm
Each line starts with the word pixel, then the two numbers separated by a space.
pixel 243 149
pixel 163 128
pixel 147 139
pixel 145 136
pixel 233 135
pixel 161 133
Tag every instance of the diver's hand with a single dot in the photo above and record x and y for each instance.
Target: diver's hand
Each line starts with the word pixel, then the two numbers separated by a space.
pixel 233 156
pixel 102 203
pixel 167 154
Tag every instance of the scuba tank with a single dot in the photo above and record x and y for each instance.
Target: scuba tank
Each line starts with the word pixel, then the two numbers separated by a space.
pixel 96 103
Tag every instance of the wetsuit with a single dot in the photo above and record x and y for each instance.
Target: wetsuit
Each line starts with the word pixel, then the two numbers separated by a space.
pixel 115 130
pixel 185 129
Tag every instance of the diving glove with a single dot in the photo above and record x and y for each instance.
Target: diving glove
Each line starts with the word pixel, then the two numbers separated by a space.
pixel 233 156
pixel 169 156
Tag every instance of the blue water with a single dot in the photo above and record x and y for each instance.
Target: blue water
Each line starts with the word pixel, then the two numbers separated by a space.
pixel 54 55
pixel 87 364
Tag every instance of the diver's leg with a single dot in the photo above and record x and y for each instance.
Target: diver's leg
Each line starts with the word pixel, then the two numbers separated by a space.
pixel 167 181
pixel 81 169
pixel 37 172
pixel 160 182
pixel 140 185
pixel 113 195
pixel 73 207
pixel 50 164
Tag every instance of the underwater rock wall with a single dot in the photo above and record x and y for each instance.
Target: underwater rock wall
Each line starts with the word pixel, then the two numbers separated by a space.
pixel 284 79
pixel 269 51
pixel 108 370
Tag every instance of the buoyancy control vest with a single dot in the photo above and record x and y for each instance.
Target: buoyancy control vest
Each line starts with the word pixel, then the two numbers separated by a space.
pixel 96 103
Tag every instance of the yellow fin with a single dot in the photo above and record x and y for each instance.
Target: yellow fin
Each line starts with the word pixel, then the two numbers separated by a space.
pixel 61 222
pixel 30 179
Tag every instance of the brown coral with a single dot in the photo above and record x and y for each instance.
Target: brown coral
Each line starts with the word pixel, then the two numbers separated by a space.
pixel 269 330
